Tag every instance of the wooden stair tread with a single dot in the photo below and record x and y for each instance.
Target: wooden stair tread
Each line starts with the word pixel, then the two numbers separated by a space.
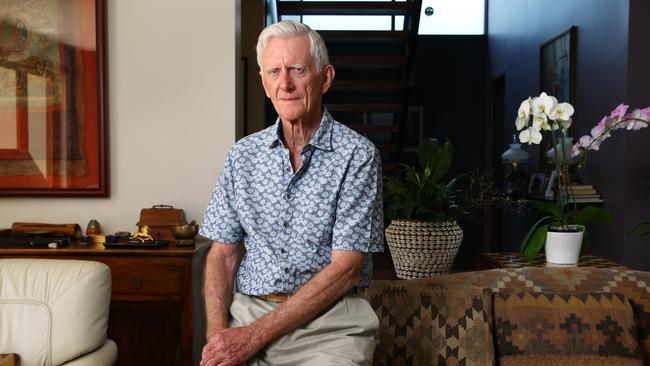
pixel 367 85
pixel 363 107
pixel 344 8
pixel 355 36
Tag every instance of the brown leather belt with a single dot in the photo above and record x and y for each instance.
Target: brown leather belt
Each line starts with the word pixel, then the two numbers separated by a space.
pixel 281 297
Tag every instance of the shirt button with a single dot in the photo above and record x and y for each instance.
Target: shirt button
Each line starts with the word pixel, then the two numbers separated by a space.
pixel 286 270
pixel 282 251
pixel 286 225
pixel 287 196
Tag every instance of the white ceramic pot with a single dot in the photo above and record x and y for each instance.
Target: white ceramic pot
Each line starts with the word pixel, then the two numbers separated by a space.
pixel 563 247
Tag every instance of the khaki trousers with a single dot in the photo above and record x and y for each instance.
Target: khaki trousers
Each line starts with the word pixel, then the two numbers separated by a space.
pixel 344 334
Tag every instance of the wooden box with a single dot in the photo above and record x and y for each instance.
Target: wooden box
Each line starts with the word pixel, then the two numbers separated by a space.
pixel 161 219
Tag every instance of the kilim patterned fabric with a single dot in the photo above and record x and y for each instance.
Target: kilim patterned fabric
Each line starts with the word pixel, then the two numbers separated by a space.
pixel 634 285
pixel 562 329
pixel 425 324
pixel 516 260
pixel 9 359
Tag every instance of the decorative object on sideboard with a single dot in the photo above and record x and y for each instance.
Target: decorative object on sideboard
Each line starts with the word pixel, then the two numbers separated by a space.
pixel 66 230
pixel 161 219
pixel 417 202
pixel 93 228
pixel 423 235
pixel 185 234
pixel 544 113
pixel 514 159
pixel 143 238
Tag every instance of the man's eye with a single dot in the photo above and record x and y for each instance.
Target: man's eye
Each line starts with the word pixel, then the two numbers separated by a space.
pixel 298 70
pixel 273 72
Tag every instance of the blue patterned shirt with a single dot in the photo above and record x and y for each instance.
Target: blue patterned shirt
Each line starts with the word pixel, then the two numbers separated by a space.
pixel 290 222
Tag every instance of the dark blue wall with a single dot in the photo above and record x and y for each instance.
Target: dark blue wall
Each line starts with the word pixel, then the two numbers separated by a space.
pixel 612 58
pixel 448 81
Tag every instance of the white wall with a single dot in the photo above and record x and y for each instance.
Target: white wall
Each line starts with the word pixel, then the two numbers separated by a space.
pixel 172 113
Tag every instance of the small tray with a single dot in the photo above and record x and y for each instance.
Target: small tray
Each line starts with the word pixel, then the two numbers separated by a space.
pixel 127 245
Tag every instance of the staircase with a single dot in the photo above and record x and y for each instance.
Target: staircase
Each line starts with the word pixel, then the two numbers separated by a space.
pixel 369 93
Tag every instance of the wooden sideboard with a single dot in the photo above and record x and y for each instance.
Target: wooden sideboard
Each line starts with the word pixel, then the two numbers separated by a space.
pixel 516 260
pixel 152 298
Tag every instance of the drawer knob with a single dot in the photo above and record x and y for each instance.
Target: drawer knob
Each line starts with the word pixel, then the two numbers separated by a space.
pixel 137 282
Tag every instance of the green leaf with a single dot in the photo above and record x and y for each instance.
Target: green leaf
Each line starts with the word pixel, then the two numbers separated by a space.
pixel 427 152
pixel 548 208
pixel 584 244
pixel 637 231
pixel 441 165
pixel 592 215
pixel 530 232
pixel 535 243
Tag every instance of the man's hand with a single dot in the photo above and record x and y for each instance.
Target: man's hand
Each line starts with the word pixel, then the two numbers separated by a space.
pixel 230 347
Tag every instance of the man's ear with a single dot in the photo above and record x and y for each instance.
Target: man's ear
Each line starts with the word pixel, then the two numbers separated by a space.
pixel 328 78
pixel 266 91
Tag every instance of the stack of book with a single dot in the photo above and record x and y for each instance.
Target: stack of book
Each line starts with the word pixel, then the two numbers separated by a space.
pixel 584 193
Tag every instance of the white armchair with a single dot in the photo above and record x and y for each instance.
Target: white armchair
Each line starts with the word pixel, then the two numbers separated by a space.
pixel 55 312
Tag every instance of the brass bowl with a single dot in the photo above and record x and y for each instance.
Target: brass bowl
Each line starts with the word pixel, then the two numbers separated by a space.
pixel 185 231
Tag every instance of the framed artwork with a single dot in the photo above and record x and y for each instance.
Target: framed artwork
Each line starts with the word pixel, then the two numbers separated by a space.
pixel 412 134
pixel 549 191
pixel 53 98
pixel 536 184
pixel 557 60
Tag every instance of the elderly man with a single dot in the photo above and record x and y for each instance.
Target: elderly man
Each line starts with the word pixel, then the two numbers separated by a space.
pixel 304 197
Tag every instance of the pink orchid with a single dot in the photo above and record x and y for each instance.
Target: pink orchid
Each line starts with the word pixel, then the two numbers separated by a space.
pixel 584 141
pixel 598 129
pixel 619 112
pixel 576 150
pixel 595 145
pixel 637 119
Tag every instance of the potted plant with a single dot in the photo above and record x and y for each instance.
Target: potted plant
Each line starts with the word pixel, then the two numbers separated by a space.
pixel 423 208
pixel 562 231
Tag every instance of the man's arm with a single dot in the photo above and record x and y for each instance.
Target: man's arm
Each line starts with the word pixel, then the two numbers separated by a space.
pixel 220 269
pixel 237 345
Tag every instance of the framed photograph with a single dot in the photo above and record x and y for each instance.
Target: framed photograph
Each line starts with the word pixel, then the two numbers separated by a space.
pixel 551 185
pixel 53 98
pixel 412 134
pixel 536 184
pixel 557 63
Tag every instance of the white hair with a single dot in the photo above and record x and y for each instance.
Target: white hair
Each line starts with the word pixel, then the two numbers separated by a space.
pixel 290 28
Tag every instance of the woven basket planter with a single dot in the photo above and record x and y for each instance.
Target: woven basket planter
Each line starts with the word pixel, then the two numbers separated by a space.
pixel 423 249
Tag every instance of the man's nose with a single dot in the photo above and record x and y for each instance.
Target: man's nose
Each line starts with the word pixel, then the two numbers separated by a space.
pixel 286 83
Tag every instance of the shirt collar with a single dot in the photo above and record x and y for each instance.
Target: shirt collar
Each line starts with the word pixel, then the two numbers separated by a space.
pixel 321 139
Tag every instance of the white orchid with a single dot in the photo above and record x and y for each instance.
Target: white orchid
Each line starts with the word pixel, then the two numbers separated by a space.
pixel 543 104
pixel 522 115
pixel 530 136
pixel 541 122
pixel 562 112
pixel 545 114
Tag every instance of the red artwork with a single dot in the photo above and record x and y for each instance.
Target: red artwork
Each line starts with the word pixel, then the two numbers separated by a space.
pixel 53 120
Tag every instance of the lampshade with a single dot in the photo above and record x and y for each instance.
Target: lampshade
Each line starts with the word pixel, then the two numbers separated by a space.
pixel 568 145
pixel 515 154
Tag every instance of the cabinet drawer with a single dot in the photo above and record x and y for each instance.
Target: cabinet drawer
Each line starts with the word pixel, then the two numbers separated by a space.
pixel 146 277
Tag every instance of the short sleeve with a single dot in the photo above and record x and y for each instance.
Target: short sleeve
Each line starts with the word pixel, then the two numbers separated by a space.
pixel 359 224
pixel 221 221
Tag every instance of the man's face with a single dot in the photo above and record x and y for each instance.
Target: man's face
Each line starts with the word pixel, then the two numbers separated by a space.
pixel 291 80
